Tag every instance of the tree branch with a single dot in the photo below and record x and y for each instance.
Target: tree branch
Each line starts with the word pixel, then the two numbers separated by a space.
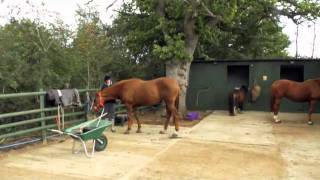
pixel 90 1
pixel 110 5
pixel 132 14
pixel 212 18
pixel 189 26
pixel 292 2
pixel 295 11
pixel 160 8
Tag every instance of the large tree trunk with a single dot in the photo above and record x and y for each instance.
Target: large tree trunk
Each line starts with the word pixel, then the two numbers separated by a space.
pixel 180 69
pixel 180 72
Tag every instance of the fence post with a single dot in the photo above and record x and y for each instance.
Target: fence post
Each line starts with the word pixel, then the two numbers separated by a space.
pixel 42 115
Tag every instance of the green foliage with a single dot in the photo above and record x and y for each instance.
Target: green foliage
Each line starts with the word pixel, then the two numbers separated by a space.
pixel 300 11
pixel 91 46
pixel 36 55
pixel 245 29
pixel 252 34
pixel 140 41
pixel 30 57
pixel 173 49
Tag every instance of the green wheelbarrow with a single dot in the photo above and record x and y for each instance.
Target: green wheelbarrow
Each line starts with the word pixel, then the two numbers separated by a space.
pixel 89 130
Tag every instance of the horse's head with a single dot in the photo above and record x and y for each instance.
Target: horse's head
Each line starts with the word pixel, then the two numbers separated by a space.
pixel 98 101
pixel 244 89
pixel 255 92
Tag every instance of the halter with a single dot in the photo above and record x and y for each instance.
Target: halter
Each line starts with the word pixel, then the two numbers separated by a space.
pixel 101 101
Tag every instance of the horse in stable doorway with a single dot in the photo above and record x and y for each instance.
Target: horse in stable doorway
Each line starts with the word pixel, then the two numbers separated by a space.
pixel 239 95
pixel 236 100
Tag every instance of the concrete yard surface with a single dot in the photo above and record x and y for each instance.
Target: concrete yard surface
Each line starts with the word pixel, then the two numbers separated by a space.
pixel 246 146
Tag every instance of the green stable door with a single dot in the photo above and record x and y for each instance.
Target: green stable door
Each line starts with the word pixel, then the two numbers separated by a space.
pixel 210 82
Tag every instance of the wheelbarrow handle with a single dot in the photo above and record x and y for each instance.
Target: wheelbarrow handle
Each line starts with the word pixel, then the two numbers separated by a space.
pixel 56 131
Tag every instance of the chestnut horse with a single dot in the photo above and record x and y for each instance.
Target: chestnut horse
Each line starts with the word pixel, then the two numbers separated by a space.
pixel 307 91
pixel 136 92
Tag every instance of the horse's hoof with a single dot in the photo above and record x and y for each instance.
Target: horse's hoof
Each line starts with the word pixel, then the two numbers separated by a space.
pixel 139 131
pixel 277 121
pixel 163 132
pixel 127 132
pixel 310 122
pixel 174 135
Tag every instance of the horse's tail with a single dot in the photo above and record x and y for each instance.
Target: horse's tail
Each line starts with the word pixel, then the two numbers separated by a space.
pixel 231 102
pixel 176 103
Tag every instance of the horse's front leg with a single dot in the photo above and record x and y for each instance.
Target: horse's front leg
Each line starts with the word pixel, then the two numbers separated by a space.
pixel 138 121
pixel 311 110
pixel 240 107
pixel 130 122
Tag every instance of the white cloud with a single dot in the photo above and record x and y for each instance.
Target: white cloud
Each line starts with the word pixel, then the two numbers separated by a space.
pixel 64 9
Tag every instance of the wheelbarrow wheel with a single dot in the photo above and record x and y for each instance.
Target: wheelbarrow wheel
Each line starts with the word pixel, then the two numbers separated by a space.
pixel 101 143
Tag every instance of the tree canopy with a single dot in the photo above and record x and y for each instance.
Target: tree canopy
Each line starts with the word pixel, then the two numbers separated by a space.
pixel 147 39
pixel 226 29
pixel 176 32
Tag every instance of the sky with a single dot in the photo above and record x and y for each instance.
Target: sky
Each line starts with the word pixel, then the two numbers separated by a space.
pixel 65 10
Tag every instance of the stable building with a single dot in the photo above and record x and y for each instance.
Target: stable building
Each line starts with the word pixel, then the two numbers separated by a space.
pixel 211 81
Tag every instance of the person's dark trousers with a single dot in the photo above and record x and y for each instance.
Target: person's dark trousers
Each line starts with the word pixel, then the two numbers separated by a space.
pixel 110 109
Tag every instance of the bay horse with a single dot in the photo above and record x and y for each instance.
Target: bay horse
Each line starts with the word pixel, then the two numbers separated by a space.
pixel 136 92
pixel 307 91
pixel 236 100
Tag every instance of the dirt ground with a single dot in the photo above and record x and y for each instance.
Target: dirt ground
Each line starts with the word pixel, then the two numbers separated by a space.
pixel 247 146
pixel 158 118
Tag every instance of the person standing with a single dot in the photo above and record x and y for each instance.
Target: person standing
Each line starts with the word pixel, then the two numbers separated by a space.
pixel 109 106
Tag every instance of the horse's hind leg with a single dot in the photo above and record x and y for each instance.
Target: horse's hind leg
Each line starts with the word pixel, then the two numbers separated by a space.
pixel 174 113
pixel 138 121
pixel 176 120
pixel 130 122
pixel 311 110
pixel 275 107
pixel 164 131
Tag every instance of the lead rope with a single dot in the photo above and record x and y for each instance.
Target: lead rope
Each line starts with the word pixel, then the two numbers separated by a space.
pixel 100 117
pixel 62 115
pixel 58 118
pixel 100 99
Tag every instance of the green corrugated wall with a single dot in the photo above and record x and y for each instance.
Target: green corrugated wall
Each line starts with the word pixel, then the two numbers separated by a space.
pixel 208 83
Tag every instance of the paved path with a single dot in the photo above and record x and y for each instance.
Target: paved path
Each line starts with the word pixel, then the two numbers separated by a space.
pixel 247 146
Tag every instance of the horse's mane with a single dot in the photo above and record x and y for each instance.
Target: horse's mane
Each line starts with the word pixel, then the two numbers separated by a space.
pixel 118 85
pixel 128 80
pixel 245 88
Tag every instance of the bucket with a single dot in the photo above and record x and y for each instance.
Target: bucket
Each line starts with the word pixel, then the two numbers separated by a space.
pixel 192 116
